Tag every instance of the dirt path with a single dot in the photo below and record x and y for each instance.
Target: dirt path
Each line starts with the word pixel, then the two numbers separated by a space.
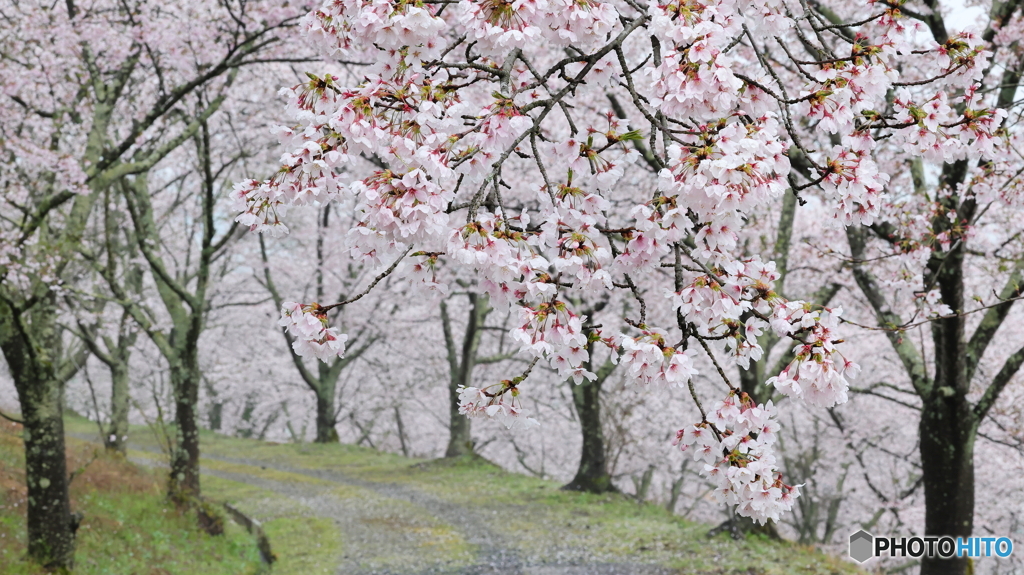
pixel 494 556
pixel 390 528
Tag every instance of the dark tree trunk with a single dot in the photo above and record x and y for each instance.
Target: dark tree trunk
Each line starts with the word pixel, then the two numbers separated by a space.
pixel 947 426
pixel 592 473
pixel 184 480
pixel 947 464
pixel 216 416
pixel 215 413
pixel 117 434
pixel 51 526
pixel 325 430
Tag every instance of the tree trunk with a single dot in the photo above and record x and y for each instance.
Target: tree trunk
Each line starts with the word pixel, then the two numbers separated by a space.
pixel 216 416
pixel 214 413
pixel 948 424
pixel 325 430
pixel 460 440
pixel 460 371
pixel 947 464
pixel 117 434
pixel 51 527
pixel 184 480
pixel 592 473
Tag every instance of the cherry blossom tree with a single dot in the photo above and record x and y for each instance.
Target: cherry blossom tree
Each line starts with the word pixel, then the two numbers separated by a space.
pixel 943 255
pixel 509 140
pixel 592 473
pixel 114 351
pixel 92 94
pixel 323 378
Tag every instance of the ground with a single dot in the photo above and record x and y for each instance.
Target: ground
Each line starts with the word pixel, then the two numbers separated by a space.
pixel 354 511
pixel 128 528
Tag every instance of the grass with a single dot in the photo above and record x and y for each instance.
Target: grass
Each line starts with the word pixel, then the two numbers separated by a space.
pixel 302 544
pixel 128 526
pixel 534 517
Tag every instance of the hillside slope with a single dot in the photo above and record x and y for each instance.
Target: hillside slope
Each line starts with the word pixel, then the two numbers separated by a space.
pixel 128 527
pixel 354 511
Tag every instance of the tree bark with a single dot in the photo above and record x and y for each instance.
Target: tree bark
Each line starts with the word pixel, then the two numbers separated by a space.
pixel 51 526
pixel 184 479
pixel 947 426
pixel 51 534
pixel 325 422
pixel 324 383
pixel 215 413
pixel 460 368
pixel 460 438
pixel 949 422
pixel 117 434
pixel 592 473
pixel 947 465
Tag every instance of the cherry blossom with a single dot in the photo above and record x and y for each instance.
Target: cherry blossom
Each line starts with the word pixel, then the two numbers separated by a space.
pixel 735 443
pixel 313 338
pixel 562 152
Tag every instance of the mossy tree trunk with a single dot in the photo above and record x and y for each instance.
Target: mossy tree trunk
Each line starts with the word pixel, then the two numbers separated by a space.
pixel 326 418
pixel 115 354
pixel 185 379
pixel 949 421
pixel 120 395
pixel 31 345
pixel 183 293
pixel 462 360
pixel 215 409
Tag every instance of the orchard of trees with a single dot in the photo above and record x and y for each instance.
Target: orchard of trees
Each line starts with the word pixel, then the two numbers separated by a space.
pixel 754 259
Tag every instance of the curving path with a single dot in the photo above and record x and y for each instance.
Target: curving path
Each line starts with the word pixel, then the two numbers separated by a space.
pixel 385 527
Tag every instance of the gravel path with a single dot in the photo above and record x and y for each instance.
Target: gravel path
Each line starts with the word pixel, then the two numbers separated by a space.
pixel 494 557
pixel 386 527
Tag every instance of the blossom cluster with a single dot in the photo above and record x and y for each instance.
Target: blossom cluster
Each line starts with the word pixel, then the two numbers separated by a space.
pixel 313 338
pixel 499 401
pixel 649 361
pixel 818 372
pixel 732 304
pixel 735 443
pixel 551 330
pixel 938 133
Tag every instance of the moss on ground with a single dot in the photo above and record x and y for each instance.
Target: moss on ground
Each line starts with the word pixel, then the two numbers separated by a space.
pixel 128 525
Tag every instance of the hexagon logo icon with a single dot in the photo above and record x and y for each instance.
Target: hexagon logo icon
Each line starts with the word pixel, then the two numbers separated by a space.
pixel 861 546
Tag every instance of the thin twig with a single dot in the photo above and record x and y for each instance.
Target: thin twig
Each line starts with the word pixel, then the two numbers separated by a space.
pixel 11 418
pixel 375 281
